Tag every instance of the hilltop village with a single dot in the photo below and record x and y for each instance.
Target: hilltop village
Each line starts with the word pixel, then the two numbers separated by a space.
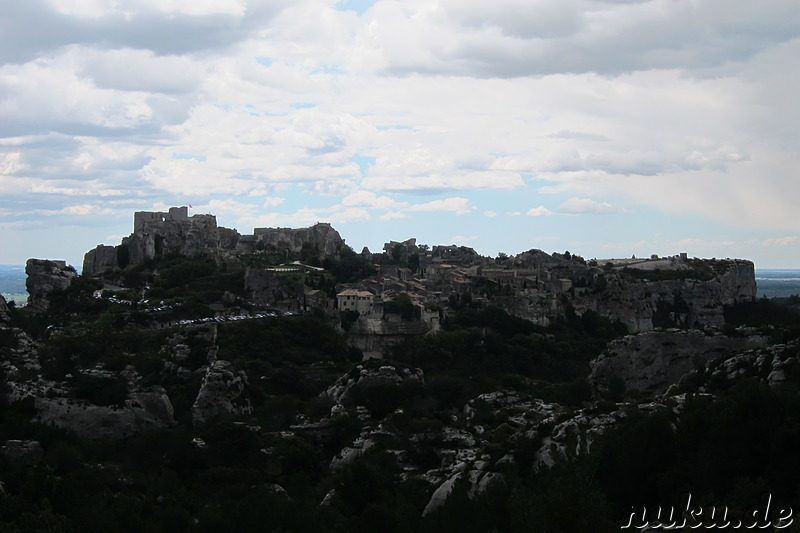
pixel 407 288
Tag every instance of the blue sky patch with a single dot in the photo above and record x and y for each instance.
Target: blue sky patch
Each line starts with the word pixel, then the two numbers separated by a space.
pixel 396 127
pixel 359 6
pixel 363 162
pixel 196 157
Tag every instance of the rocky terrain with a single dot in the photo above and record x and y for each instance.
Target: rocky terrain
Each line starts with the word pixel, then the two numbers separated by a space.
pixel 459 387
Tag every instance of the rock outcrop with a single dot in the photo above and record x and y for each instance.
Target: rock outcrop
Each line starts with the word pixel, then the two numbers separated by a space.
pixel 361 376
pixel 374 336
pixel 44 277
pixel 99 260
pixel 144 409
pixel 221 393
pixel 650 362
pixel 319 239
pixel 157 234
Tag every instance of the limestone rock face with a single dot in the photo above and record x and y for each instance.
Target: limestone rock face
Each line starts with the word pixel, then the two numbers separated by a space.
pixel 221 393
pixel 102 259
pixel 652 361
pixel 682 294
pixel 646 304
pixel 44 277
pixel 321 237
pixel 143 410
pixel 373 335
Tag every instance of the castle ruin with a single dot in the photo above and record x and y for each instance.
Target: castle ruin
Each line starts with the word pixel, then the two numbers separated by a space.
pixel 174 214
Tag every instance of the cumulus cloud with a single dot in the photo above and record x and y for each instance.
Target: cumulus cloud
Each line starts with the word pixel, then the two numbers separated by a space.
pixel 515 38
pixel 459 206
pixel 273 202
pixel 587 206
pixel 371 200
pixel 37 27
pixel 540 211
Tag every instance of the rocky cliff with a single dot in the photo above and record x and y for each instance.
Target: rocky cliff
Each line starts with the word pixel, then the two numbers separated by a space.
pixel 156 235
pixel 652 361
pixel 683 293
pixel 374 336
pixel 320 239
pixel 45 277
pixel 101 259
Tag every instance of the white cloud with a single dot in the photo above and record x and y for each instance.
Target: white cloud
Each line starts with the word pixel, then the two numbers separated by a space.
pixel 393 215
pixel 352 214
pixel 540 211
pixel 84 210
pixel 463 240
pixel 489 214
pixel 782 241
pixel 587 206
pixel 444 182
pixel 138 70
pixel 370 199
pixel 95 9
pixel 273 202
pixel 459 206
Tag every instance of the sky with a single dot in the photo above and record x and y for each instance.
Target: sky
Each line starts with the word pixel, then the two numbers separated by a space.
pixel 609 128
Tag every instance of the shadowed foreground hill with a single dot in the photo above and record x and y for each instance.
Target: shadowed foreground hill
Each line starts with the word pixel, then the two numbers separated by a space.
pixel 488 425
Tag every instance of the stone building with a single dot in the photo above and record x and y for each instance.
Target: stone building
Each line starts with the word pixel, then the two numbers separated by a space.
pixel 355 300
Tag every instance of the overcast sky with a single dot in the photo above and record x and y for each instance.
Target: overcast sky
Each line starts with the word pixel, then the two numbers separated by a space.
pixel 608 128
